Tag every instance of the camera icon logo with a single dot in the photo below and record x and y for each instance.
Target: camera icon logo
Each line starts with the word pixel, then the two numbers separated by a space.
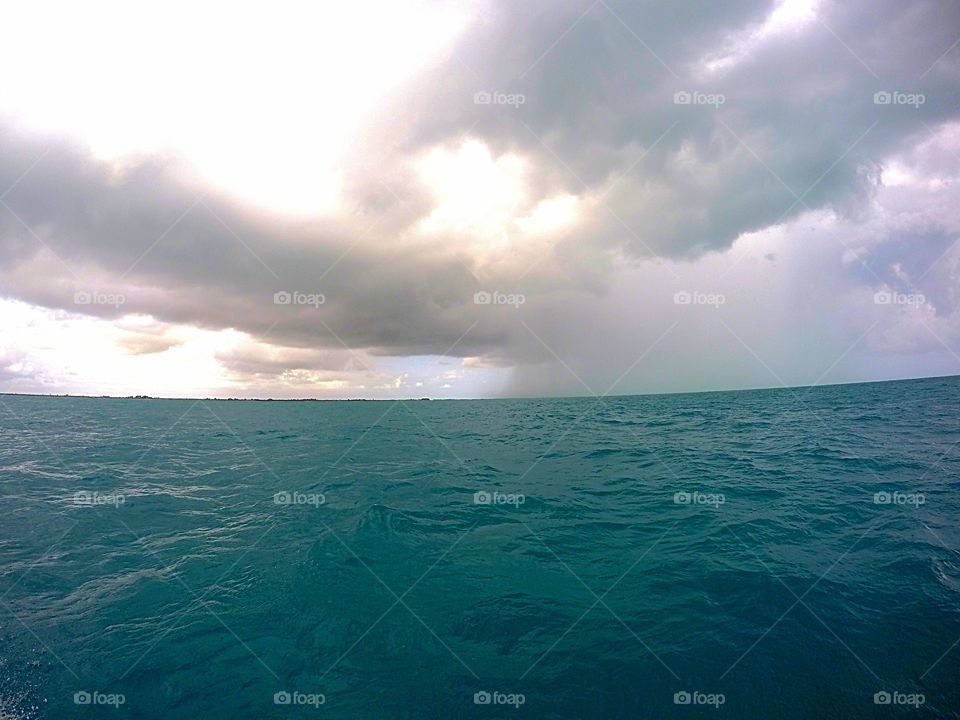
pixel 82 698
pixel 82 297
pixel 482 497
pixel 282 298
pixel 681 698
pixel 282 498
pixel 482 698
pixel 882 98
pixel 482 98
pixel 682 98
pixel 482 298
pixel 882 698
pixel 882 298
pixel 282 698
pixel 881 498
pixel 681 498
pixel 682 298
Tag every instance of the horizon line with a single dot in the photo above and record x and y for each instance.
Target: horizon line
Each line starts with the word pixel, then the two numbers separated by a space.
pixel 472 399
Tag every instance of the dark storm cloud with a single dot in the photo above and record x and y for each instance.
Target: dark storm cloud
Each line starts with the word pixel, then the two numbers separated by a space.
pixel 798 117
pixel 185 255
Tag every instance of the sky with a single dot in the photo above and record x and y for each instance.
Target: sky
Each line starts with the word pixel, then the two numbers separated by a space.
pixel 487 198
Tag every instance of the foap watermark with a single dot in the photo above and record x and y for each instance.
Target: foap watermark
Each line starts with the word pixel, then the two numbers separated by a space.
pixel 696 697
pixel 696 497
pixel 298 498
pixel 483 497
pixel 91 498
pixel 885 697
pixel 684 297
pixel 95 297
pixel 897 497
pixel 295 297
pixel 495 297
pixel 495 697
pixel 95 697
pixel 295 697
pixel 886 297
pixel 485 97
pixel 895 97
pixel 695 97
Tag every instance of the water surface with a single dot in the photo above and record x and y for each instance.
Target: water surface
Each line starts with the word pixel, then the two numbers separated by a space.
pixel 791 553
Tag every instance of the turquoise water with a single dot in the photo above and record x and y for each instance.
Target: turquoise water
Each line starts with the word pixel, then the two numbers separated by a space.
pixel 182 559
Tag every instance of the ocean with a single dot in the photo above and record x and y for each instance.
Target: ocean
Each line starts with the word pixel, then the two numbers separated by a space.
pixel 757 554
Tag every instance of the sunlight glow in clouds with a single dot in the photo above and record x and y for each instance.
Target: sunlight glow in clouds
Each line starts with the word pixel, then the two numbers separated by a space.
pixel 71 353
pixel 789 15
pixel 262 101
pixel 475 193
pixel 487 203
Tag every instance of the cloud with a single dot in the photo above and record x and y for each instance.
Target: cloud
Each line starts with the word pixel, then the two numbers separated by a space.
pixel 797 118
pixel 582 156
